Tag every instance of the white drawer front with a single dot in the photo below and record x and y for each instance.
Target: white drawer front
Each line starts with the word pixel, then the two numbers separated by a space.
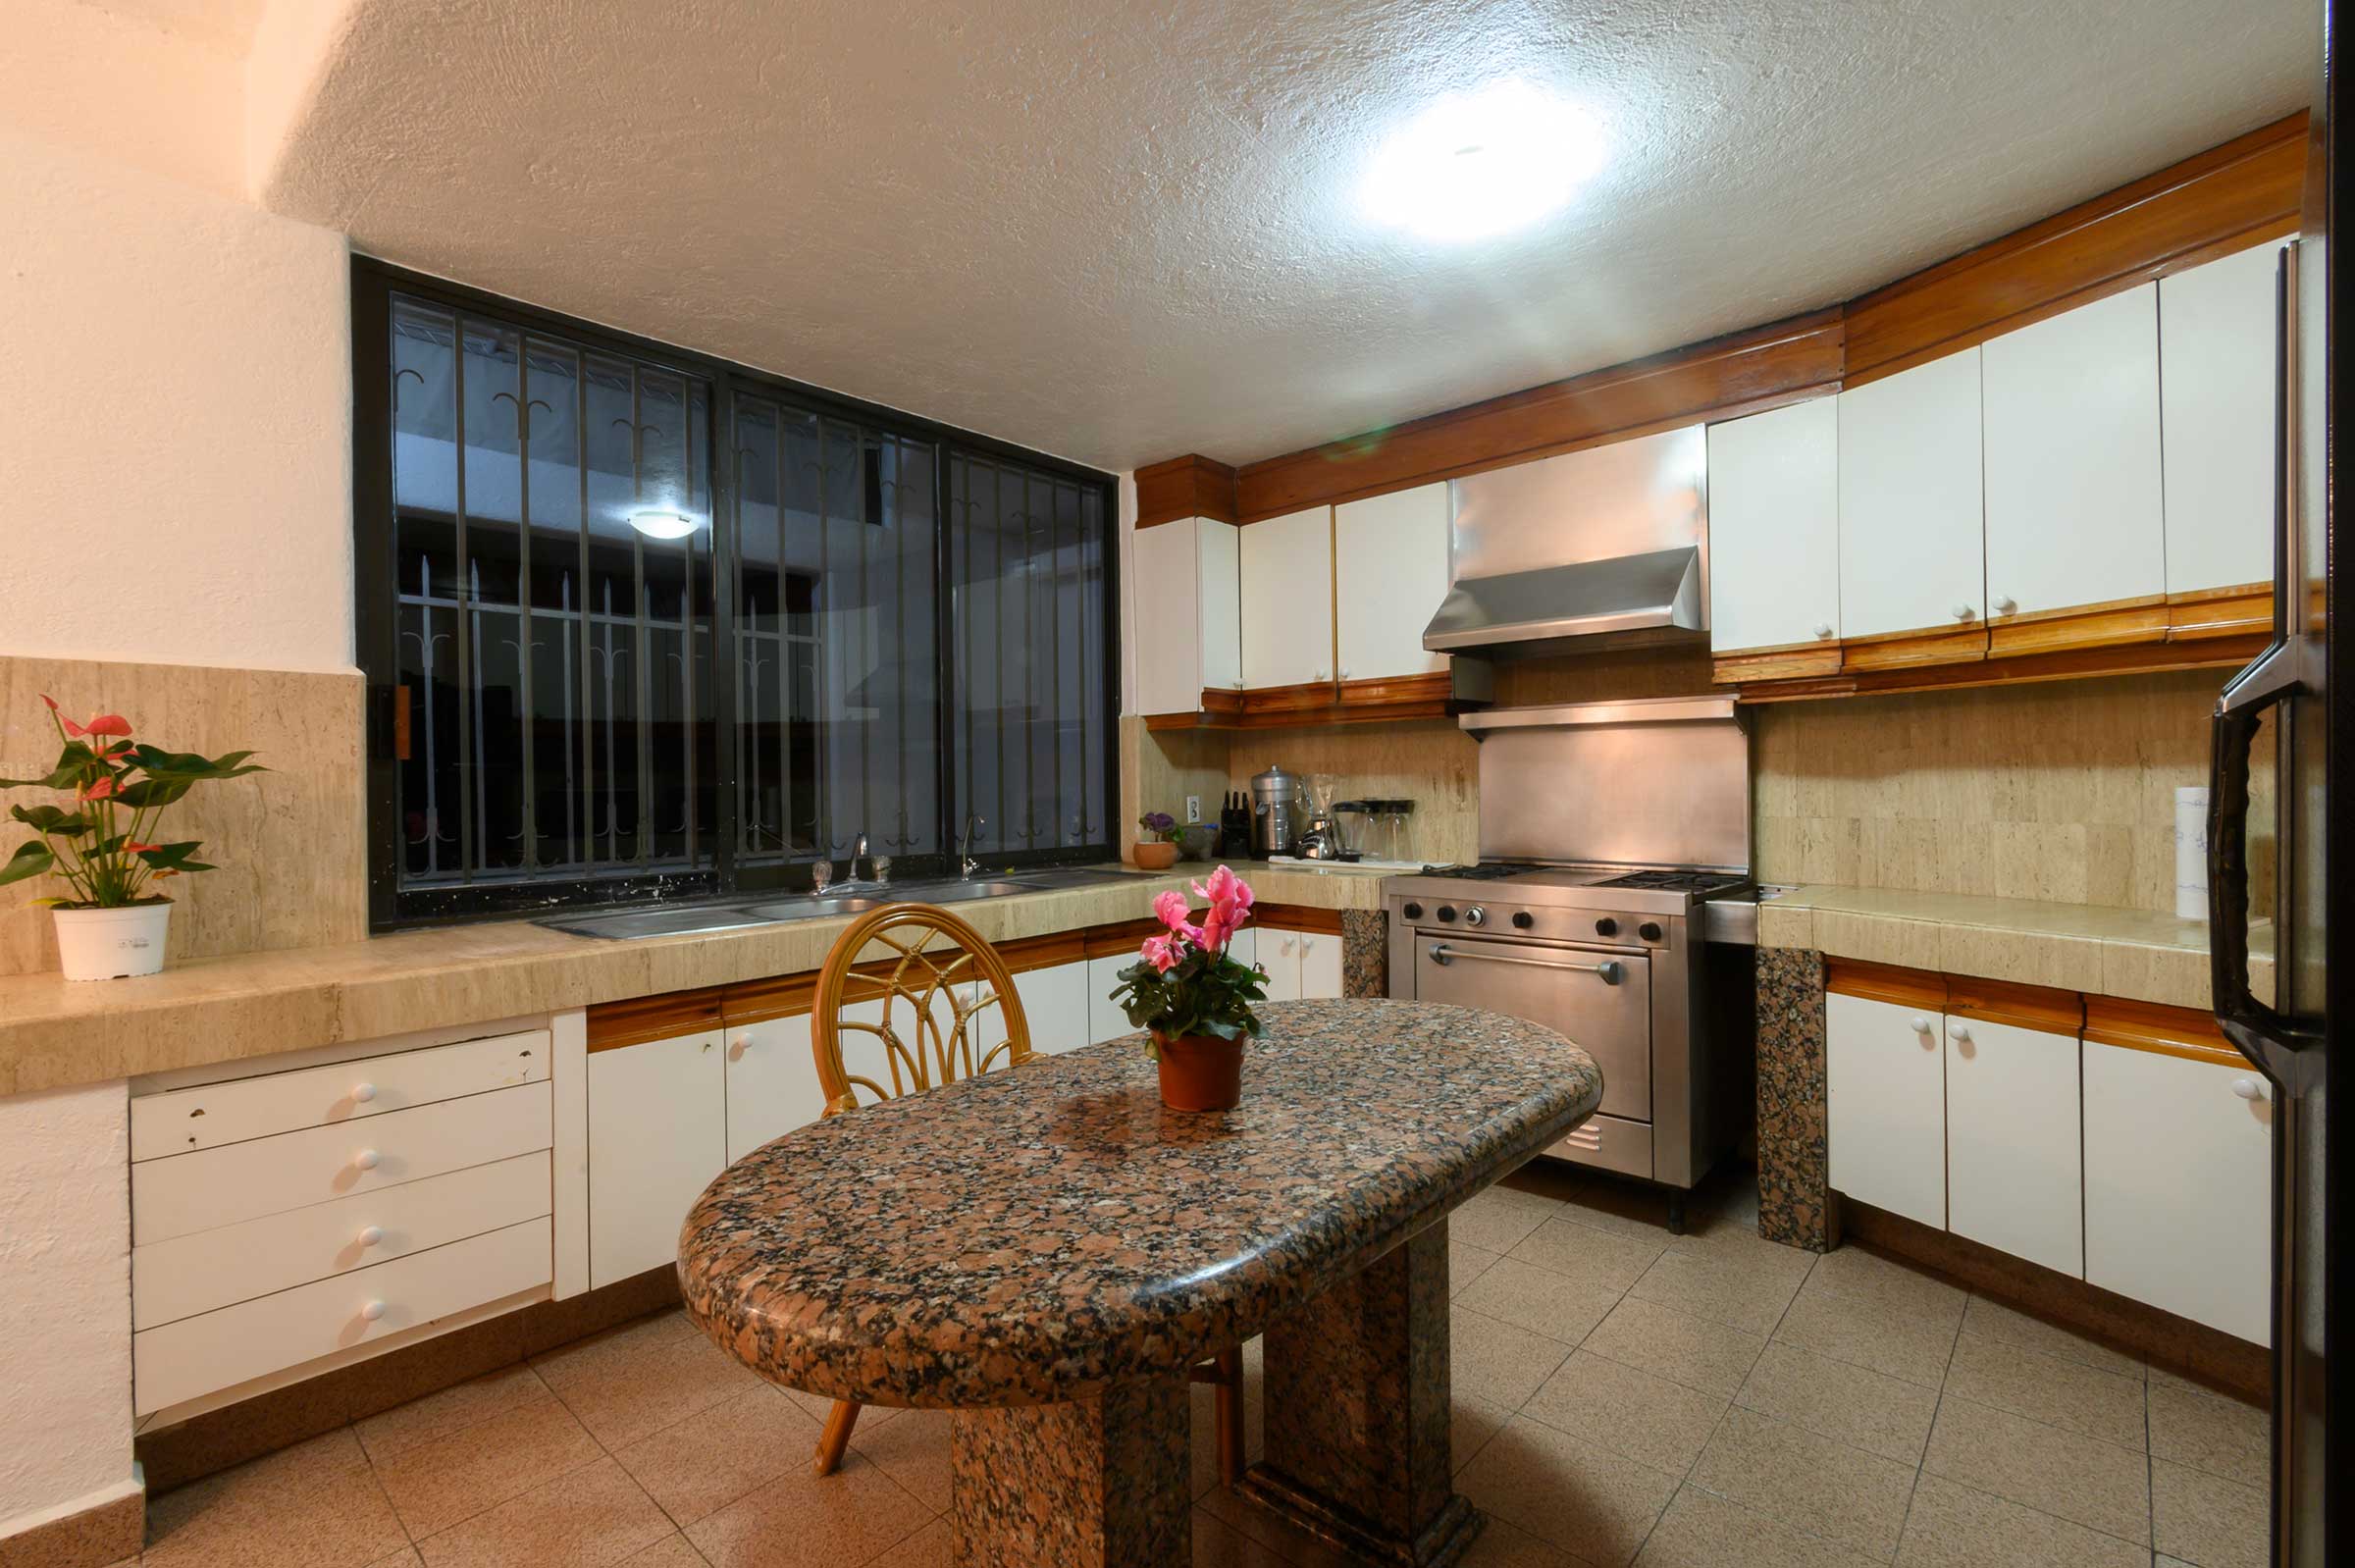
pixel 217 1114
pixel 220 1349
pixel 208 1268
pixel 214 1188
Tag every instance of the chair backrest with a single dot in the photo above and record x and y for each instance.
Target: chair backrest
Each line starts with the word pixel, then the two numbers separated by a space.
pixel 950 987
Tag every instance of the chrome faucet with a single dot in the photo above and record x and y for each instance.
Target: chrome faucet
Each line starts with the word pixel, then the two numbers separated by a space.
pixel 859 851
pixel 967 866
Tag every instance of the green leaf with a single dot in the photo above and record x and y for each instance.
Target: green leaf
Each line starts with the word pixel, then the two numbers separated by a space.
pixel 175 856
pixel 189 766
pixel 150 792
pixel 72 763
pixel 50 819
pixel 30 860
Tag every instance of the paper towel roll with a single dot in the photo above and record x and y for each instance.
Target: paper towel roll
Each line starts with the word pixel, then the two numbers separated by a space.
pixel 2191 852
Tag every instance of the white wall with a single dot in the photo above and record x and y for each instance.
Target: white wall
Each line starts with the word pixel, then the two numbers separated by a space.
pixel 65 1302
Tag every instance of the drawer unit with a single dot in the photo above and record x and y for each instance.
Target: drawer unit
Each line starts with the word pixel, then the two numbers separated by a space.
pixel 187 1120
pixel 216 1350
pixel 209 1268
pixel 213 1188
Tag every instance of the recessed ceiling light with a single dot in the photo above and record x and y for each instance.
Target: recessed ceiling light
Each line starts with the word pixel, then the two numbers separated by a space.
pixel 1482 163
pixel 663 524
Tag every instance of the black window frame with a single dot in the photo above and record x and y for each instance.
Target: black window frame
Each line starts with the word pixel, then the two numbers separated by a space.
pixel 375 591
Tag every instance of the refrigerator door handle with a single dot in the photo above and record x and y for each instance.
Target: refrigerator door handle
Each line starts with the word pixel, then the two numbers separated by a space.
pixel 2251 1024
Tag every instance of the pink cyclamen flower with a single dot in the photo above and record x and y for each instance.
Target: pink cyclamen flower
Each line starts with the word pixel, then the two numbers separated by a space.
pixel 1160 951
pixel 1170 909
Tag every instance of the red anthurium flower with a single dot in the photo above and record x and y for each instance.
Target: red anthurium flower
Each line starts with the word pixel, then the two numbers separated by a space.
pixel 51 700
pixel 99 724
pixel 98 789
pixel 134 848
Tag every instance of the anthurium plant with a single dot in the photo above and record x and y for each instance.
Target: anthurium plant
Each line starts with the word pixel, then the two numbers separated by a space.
pixel 1184 982
pixel 104 843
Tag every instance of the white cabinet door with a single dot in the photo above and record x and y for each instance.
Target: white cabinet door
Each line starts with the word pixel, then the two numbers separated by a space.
pixel 2178 1186
pixel 1054 1005
pixel 2216 402
pixel 1774 528
pixel 2074 509
pixel 1219 587
pixel 1105 1021
pixel 2014 1161
pixel 772 1082
pixel 658 1134
pixel 1169 667
pixel 1287 600
pixel 1885 1103
pixel 1911 522
pixel 1279 956
pixel 1320 965
pixel 1390 572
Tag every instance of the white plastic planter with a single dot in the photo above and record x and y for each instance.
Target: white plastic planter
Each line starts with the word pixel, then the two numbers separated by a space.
pixel 112 944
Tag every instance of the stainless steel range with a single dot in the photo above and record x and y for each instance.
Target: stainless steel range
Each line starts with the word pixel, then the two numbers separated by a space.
pixel 1613 902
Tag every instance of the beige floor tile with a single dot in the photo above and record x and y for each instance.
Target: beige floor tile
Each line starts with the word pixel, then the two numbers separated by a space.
pixel 1855 1405
pixel 1496 1219
pixel 406 1557
pixel 2207 1520
pixel 671 1552
pixel 315 1505
pixel 436 1483
pixel 1850 1271
pixel 1471 1422
pixel 1735 1243
pixel 1708 1287
pixel 588 1519
pixel 1493 1360
pixel 696 1466
pixel 1629 1411
pixel 1619 1206
pixel 1591 1502
pixel 419 1421
pixel 2096 1483
pixel 1466 1264
pixel 802 1519
pixel 1270 1537
pixel 1542 1178
pixel 1808 1482
pixel 1539 1300
pixel 1993 1320
pixel 1701 1530
pixel 914 1452
pixel 1870 1330
pixel 2068 1394
pixel 1605 1260
pixel 1503 1545
pixel 817 1407
pixel 1711 1357
pixel 2210 1433
pixel 932 1546
pixel 1953 1526
pixel 633 1382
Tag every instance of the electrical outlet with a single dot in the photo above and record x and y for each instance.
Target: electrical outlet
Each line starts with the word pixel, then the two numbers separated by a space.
pixel 1193 808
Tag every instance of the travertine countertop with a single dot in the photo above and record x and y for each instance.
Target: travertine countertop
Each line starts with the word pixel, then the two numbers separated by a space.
pixel 55 1032
pixel 1028 1236
pixel 2144 954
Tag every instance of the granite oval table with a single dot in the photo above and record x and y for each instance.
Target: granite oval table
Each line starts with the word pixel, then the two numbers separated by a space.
pixel 1047 1251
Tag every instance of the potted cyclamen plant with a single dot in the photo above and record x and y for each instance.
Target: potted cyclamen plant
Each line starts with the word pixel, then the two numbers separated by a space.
pixel 1195 997
pixel 113 922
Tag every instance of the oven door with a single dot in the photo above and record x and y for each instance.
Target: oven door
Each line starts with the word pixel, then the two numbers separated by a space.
pixel 1599 997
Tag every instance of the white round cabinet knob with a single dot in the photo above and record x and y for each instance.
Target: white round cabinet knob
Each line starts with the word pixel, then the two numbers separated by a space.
pixel 1962 1034
pixel 367 1159
pixel 362 1093
pixel 373 1311
pixel 1823 628
pixel 2005 604
pixel 1962 612
pixel 1921 1025
pixel 2248 1088
pixel 370 1236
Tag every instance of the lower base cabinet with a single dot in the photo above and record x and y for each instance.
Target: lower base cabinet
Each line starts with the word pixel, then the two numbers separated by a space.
pixel 2178 1186
pixel 771 1083
pixel 1301 965
pixel 2014 1161
pixel 1885 1105
pixel 658 1134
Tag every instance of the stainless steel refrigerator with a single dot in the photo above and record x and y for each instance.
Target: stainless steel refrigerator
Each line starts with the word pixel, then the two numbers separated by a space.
pixel 2293 701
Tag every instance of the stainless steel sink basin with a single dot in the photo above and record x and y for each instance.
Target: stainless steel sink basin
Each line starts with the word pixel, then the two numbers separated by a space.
pixel 956 892
pixel 687 919
pixel 815 907
pixel 693 919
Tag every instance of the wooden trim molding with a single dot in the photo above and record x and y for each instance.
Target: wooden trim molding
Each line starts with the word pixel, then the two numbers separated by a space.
pixel 2102 1019
pixel 2027 1007
pixel 1043 952
pixel 2220 613
pixel 1298 917
pixel 1885 983
pixel 2225 652
pixel 1928 644
pixel 2105 625
pixel 613 1025
pixel 2153 1026
pixel 1284 704
pixel 1193 486
pixel 1428 696
pixel 777 997
pixel 1786 662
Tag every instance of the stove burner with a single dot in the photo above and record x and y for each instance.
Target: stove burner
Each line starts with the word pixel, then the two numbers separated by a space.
pixel 1696 882
pixel 1487 870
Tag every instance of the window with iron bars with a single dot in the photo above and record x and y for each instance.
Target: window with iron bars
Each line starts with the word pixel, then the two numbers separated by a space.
pixel 642 623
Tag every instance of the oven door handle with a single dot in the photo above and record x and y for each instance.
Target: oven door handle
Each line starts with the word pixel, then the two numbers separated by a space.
pixel 1609 969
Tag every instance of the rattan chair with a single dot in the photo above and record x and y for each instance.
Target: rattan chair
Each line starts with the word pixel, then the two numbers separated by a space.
pixel 948 974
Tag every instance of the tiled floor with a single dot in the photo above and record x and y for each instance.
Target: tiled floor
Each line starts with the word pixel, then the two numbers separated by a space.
pixel 1622 1395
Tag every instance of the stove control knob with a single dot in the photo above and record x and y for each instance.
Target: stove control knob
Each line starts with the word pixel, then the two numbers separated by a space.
pixel 1447 913
pixel 1523 921
pixel 1476 916
pixel 1649 930
pixel 1412 910
pixel 1606 926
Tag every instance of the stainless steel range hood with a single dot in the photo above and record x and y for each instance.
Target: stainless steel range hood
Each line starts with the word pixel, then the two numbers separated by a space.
pixel 1595 549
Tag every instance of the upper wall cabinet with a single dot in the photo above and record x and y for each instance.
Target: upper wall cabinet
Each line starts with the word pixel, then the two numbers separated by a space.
pixel 2076 533
pixel 1775 540
pixel 1910 515
pixel 2216 402
pixel 1187 595
pixel 1390 572
pixel 1287 600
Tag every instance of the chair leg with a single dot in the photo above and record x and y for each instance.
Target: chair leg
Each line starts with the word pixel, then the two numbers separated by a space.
pixel 837 1436
pixel 1230 1413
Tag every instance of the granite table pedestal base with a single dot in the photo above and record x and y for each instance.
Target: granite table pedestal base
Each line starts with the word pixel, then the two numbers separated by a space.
pixel 1096 1483
pixel 1358 1412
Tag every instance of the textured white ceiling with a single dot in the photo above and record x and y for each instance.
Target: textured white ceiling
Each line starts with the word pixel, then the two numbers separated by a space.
pixel 1122 234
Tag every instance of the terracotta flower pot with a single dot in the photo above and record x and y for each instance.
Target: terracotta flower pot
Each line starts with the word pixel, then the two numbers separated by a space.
pixel 1156 857
pixel 1201 1072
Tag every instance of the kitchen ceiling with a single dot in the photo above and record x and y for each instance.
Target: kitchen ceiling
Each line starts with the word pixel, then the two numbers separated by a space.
pixel 1121 235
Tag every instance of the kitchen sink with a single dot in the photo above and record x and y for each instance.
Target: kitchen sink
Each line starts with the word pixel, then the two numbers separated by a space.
pixel 814 906
pixel 689 919
pixel 695 919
